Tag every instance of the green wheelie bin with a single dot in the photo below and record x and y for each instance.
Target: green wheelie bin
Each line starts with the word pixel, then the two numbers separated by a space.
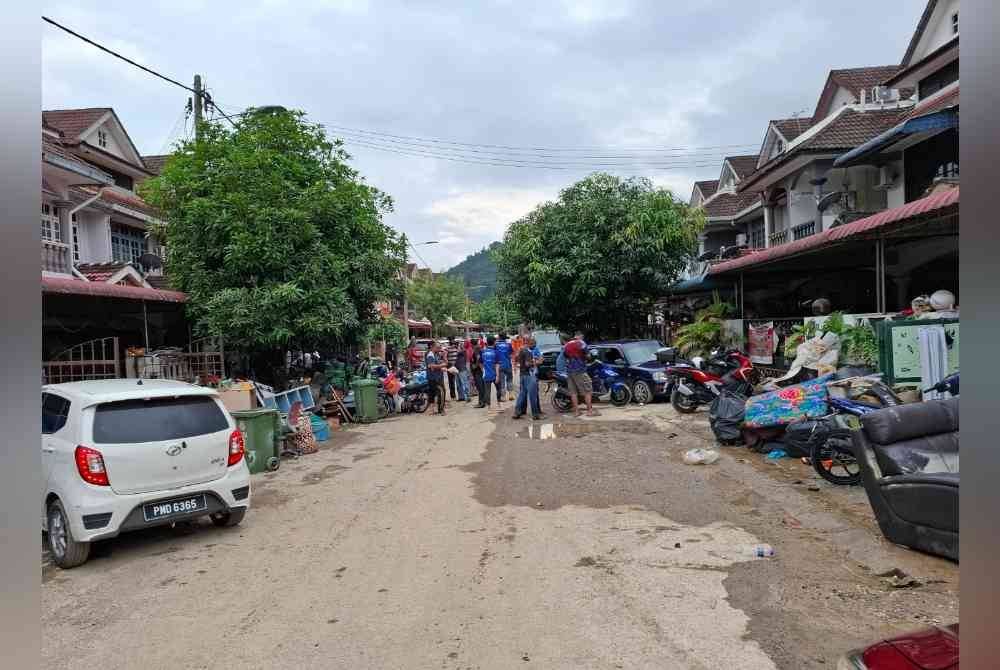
pixel 261 436
pixel 365 400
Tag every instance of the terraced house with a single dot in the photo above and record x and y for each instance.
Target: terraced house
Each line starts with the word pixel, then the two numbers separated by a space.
pixel 857 204
pixel 102 279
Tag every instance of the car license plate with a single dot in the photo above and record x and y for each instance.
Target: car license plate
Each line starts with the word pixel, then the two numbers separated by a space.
pixel 176 507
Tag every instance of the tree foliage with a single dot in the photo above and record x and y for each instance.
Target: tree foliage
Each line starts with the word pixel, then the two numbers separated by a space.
pixel 599 256
pixel 704 334
pixel 478 270
pixel 437 298
pixel 498 311
pixel 274 238
pixel 386 329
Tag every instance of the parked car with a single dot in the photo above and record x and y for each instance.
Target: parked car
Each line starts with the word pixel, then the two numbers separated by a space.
pixel 125 454
pixel 423 345
pixel 934 648
pixel 636 361
pixel 549 342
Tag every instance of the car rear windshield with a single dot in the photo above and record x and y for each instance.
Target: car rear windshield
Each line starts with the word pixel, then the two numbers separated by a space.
pixel 543 339
pixel 157 419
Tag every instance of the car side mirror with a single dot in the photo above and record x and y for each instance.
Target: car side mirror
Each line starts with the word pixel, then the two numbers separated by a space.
pixel 620 361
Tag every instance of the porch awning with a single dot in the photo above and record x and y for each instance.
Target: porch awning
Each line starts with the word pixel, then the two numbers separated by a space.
pixel 67 286
pixel 920 125
pixel 935 203
pixel 694 285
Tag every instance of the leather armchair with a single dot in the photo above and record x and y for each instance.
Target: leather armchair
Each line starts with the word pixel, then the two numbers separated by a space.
pixel 910 469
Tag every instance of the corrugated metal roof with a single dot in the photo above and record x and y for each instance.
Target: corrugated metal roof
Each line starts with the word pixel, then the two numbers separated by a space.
pixel 66 286
pixel 931 203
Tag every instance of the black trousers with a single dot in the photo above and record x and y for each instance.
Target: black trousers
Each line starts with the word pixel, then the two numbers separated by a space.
pixel 477 379
pixel 451 384
pixel 485 397
pixel 436 393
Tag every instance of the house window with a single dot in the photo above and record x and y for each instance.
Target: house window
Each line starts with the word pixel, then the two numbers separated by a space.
pixel 954 23
pixel 779 146
pixel 127 243
pixel 50 224
pixel 948 170
pixel 76 240
pixel 102 138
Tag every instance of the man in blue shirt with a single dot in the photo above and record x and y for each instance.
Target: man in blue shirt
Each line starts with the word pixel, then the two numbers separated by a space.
pixel 436 364
pixel 492 375
pixel 504 351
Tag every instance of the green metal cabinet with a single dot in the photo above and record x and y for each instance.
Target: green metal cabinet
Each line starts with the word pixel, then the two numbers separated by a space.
pixel 899 347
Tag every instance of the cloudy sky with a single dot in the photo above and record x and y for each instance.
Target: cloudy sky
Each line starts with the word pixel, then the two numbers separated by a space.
pixel 471 113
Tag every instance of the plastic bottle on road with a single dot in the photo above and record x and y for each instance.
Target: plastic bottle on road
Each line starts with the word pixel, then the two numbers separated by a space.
pixel 761 551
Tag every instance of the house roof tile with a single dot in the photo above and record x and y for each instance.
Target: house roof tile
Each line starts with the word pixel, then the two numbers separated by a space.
pixel 743 165
pixel 792 128
pixel 65 286
pixel 155 163
pixel 936 104
pixel 72 122
pixel 727 205
pixel 100 272
pixel 707 187
pixel 850 128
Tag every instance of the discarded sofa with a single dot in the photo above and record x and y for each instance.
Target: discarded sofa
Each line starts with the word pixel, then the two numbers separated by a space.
pixel 910 469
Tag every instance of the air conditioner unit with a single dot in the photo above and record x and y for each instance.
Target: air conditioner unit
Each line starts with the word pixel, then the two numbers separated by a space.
pixel 884 94
pixel 886 178
pixel 741 239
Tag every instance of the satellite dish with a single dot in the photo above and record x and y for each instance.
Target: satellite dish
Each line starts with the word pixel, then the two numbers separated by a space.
pixel 829 199
pixel 150 262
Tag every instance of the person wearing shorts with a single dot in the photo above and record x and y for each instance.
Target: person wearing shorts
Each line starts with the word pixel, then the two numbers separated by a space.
pixel 578 379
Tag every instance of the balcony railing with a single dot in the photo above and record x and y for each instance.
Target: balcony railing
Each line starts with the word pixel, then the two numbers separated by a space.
pixel 757 239
pixel 55 257
pixel 779 237
pixel 803 230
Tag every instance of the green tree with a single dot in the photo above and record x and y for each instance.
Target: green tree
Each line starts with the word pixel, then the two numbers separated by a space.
pixel 275 239
pixel 437 299
pixel 498 311
pixel 598 257
pixel 386 329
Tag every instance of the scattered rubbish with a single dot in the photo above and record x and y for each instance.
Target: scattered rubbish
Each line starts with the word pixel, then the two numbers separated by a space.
pixel 791 521
pixel 775 454
pixel 677 545
pixel 538 504
pixel 761 551
pixel 898 579
pixel 550 431
pixel 813 487
pixel 671 436
pixel 701 456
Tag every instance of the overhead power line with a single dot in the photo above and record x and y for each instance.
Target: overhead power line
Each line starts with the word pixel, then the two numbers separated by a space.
pixel 525 163
pixel 335 126
pixel 117 55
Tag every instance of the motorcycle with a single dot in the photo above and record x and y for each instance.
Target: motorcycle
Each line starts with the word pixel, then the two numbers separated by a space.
pixel 415 393
pixel 606 382
pixel 698 382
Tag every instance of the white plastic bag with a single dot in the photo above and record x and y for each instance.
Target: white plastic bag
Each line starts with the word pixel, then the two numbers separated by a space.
pixel 701 456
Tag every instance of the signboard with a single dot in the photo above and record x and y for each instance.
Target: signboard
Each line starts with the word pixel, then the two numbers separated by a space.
pixel 760 346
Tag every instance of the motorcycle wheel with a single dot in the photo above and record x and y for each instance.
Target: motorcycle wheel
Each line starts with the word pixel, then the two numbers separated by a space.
pixel 642 392
pixel 683 403
pixel 383 407
pixel 419 403
pixel 561 401
pixel 620 395
pixel 833 460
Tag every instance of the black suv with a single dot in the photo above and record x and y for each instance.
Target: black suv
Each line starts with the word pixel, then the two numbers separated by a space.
pixel 549 342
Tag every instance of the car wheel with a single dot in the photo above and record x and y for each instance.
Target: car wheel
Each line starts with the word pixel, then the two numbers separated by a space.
pixel 66 552
pixel 228 519
pixel 642 392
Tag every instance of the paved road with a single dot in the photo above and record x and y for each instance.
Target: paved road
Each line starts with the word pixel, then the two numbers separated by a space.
pixel 465 541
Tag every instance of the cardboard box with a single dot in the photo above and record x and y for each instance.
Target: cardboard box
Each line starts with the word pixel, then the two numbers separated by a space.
pixel 237 400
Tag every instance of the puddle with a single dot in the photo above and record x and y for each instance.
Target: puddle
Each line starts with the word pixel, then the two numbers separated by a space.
pixel 551 431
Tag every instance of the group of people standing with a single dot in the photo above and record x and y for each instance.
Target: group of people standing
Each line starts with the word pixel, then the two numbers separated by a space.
pixel 489 364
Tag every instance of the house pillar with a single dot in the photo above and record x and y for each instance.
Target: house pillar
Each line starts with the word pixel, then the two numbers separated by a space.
pixel 768 224
pixel 819 178
pixel 64 261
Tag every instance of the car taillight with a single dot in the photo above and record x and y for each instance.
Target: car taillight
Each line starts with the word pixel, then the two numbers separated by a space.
pixel 236 447
pixel 90 463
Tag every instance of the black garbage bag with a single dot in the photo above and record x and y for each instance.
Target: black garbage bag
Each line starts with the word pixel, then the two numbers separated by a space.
pixel 802 435
pixel 725 416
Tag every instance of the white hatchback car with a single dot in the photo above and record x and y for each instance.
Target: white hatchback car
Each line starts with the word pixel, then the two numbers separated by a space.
pixel 120 454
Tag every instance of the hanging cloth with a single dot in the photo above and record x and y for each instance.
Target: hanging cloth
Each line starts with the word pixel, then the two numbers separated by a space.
pixel 933 360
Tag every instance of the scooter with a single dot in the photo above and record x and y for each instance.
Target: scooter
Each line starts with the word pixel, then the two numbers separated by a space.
pixel 700 382
pixel 415 393
pixel 606 382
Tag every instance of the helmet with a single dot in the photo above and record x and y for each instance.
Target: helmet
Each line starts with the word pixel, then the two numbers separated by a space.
pixel 942 300
pixel 574 349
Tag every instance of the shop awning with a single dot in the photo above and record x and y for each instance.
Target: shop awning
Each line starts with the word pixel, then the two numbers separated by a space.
pixel 932 204
pixel 921 125
pixel 67 286
pixel 694 285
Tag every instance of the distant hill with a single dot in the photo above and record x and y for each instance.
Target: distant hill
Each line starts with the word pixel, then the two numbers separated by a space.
pixel 478 270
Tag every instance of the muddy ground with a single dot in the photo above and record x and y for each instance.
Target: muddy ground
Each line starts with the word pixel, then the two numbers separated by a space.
pixel 476 541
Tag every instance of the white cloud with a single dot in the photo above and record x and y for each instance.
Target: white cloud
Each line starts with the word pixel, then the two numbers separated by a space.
pixel 593 11
pixel 470 220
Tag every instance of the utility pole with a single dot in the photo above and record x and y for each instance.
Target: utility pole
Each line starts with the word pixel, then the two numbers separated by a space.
pixel 198 103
